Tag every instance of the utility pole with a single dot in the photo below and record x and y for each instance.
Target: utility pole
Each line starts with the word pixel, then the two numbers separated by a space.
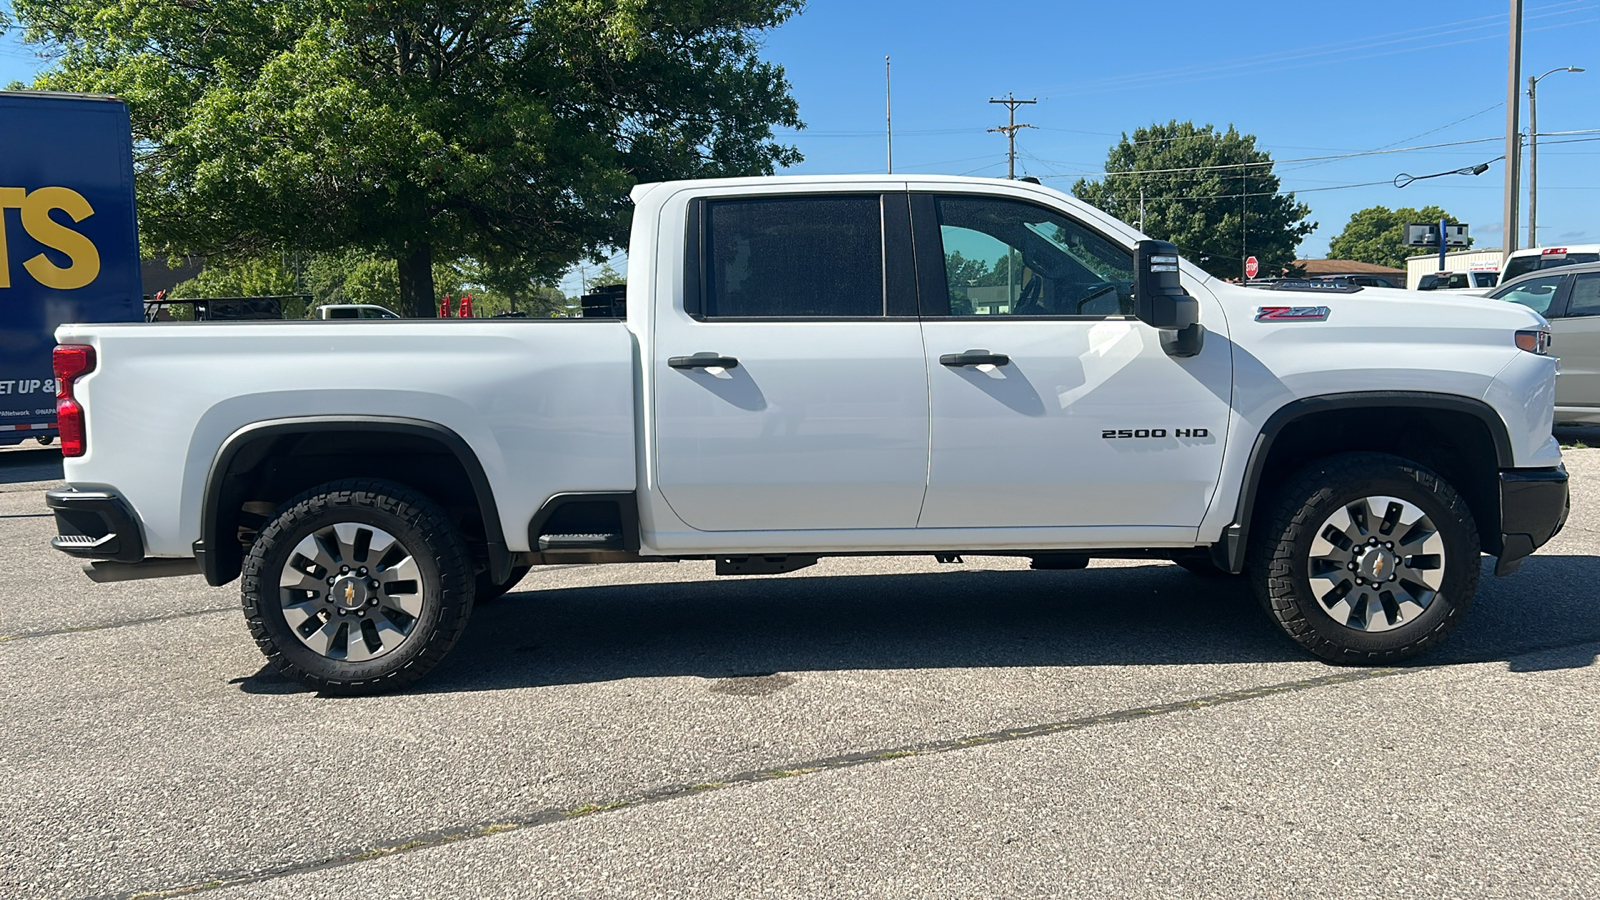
pixel 1010 130
pixel 1513 131
pixel 888 114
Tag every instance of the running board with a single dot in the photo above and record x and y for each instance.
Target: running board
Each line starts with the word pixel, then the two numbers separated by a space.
pixel 557 543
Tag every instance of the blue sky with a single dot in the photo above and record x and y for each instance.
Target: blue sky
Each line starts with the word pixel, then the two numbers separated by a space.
pixel 1310 80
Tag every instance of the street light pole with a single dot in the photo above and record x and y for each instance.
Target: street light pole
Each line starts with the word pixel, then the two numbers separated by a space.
pixel 1533 153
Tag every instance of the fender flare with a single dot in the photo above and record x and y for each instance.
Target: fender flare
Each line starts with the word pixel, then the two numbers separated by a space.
pixel 212 553
pixel 1228 552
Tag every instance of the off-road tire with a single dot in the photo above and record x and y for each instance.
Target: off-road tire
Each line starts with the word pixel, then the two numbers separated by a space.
pixel 445 586
pixel 488 591
pixel 1288 523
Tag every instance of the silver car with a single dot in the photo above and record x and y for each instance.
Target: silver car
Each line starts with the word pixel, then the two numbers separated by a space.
pixel 1570 298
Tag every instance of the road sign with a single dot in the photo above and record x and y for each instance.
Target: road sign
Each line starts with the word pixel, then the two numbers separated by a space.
pixel 1251 267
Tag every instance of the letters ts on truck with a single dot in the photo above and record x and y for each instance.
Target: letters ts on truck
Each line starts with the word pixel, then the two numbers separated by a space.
pixel 69 250
pixel 812 366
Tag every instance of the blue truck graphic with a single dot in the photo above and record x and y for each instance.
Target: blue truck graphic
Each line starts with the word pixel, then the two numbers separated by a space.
pixel 69 245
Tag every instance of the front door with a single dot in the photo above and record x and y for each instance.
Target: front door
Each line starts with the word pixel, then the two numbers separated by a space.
pixel 1576 340
pixel 1051 404
pixel 791 391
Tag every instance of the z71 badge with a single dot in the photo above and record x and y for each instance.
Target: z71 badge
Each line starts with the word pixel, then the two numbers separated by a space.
pixel 1291 314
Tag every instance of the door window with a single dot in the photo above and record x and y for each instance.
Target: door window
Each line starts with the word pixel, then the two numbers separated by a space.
pixel 1010 258
pixel 802 257
pixel 1535 293
pixel 1585 296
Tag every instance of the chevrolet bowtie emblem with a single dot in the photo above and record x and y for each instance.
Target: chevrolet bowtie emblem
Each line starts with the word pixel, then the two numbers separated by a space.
pixel 1377 566
pixel 349 592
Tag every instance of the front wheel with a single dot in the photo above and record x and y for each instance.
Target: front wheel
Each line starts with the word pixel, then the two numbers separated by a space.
pixel 1365 558
pixel 357 587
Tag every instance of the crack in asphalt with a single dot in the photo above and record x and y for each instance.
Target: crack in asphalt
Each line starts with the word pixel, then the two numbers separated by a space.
pixel 79 629
pixel 552 815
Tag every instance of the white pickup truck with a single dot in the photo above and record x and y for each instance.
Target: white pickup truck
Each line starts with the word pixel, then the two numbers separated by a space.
pixel 818 366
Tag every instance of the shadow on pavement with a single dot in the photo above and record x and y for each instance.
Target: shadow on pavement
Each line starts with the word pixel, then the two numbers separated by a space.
pixel 1143 615
pixel 20 465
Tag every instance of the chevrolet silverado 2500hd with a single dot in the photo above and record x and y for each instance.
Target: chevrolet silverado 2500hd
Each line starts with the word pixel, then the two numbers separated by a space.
pixel 815 366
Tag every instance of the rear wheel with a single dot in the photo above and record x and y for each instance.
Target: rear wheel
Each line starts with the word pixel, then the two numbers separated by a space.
pixel 1365 558
pixel 357 587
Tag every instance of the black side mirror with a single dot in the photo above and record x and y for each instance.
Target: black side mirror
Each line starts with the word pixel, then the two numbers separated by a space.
pixel 1161 302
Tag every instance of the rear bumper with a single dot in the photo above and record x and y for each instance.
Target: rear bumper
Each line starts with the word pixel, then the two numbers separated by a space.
pixel 95 525
pixel 1533 508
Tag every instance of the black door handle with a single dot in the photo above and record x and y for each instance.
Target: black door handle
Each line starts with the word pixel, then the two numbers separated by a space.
pixel 974 358
pixel 703 362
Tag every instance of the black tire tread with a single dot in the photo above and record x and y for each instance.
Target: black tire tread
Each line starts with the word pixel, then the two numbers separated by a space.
pixel 415 510
pixel 1287 515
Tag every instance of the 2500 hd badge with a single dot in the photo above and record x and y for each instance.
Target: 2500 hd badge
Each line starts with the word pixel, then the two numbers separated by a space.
pixel 1120 433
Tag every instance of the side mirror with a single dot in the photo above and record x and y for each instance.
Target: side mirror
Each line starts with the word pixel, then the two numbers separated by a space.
pixel 1161 302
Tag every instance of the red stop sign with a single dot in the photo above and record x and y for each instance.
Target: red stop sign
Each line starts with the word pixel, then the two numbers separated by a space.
pixel 1251 267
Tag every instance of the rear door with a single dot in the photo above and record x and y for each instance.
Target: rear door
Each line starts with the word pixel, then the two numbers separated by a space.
pixel 790 387
pixel 1576 340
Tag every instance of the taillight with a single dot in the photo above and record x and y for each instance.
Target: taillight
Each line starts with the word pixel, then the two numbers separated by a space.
pixel 70 362
pixel 1534 340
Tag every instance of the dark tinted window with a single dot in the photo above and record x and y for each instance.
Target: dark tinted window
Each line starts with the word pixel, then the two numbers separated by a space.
pixel 1522 265
pixel 1585 299
pixel 800 256
pixel 1009 258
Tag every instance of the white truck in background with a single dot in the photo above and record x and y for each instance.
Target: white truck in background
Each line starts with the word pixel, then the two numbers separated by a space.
pixel 816 366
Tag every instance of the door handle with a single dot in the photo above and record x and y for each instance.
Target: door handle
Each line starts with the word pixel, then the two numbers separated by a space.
pixel 699 361
pixel 974 358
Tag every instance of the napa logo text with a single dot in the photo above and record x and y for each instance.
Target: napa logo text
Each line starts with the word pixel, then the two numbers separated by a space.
pixel 36 206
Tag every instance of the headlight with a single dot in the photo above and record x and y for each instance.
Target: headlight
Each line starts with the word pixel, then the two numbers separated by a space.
pixel 1534 340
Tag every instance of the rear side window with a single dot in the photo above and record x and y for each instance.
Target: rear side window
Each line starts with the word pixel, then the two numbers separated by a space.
pixel 1585 296
pixel 803 257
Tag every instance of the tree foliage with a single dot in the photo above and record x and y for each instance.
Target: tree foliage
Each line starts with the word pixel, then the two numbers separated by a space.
pixel 1198 184
pixel 507 131
pixel 1377 235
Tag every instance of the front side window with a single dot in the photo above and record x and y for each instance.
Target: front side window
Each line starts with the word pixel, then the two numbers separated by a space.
pixel 1010 258
pixel 1585 296
pixel 794 257
pixel 1535 293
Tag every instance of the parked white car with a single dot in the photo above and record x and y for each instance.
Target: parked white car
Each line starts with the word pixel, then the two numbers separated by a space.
pixel 355 311
pixel 1536 259
pixel 796 376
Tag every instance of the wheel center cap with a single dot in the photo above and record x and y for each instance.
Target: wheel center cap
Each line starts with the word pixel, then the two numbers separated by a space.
pixel 1377 564
pixel 350 593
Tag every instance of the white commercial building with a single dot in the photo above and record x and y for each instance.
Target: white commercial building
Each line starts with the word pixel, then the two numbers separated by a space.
pixel 1455 261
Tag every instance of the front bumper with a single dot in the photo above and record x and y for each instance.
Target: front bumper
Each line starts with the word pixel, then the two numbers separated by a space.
pixel 1533 508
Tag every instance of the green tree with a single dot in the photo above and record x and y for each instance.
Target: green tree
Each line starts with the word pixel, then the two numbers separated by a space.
pixel 1198 184
pixel 500 130
pixel 242 278
pixel 1377 235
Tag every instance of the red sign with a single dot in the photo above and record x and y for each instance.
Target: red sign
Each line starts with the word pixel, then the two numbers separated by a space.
pixel 1251 267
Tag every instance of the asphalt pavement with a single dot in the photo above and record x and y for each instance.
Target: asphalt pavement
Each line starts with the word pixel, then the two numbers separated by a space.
pixel 866 727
